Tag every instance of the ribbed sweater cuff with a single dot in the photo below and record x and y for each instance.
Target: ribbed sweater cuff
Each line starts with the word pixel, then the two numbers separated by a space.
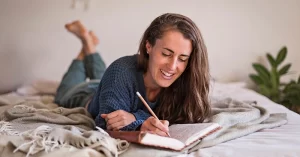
pixel 141 115
pixel 133 126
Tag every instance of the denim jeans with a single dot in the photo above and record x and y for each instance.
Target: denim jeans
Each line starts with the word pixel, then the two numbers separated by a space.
pixel 74 90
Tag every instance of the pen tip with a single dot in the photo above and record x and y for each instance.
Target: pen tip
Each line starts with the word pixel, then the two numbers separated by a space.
pixel 138 93
pixel 168 134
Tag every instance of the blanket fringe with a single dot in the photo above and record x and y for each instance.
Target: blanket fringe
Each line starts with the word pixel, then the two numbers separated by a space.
pixel 6 129
pixel 37 141
pixel 47 138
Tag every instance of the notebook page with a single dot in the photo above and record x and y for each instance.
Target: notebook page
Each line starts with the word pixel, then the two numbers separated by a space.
pixel 183 132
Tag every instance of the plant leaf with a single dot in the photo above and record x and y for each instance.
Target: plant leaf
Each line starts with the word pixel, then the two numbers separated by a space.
pixel 293 98
pixel 262 72
pixel 256 79
pixel 264 90
pixel 281 55
pixel 288 86
pixel 298 80
pixel 272 61
pixel 274 80
pixel 284 69
pixel 295 87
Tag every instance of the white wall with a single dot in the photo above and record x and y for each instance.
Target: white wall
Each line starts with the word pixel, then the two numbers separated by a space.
pixel 34 43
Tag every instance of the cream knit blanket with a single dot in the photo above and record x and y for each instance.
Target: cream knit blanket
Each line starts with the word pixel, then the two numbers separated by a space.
pixel 43 127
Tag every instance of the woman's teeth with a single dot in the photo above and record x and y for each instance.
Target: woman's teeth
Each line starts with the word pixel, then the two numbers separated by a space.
pixel 166 73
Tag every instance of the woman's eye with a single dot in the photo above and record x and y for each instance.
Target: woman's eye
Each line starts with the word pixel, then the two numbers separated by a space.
pixel 166 54
pixel 182 60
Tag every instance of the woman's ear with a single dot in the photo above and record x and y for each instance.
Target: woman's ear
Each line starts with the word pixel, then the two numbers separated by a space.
pixel 148 47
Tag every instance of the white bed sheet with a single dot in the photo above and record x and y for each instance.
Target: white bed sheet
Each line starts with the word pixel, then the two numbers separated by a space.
pixel 283 141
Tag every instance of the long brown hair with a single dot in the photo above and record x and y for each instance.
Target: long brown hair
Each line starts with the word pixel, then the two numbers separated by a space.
pixel 186 100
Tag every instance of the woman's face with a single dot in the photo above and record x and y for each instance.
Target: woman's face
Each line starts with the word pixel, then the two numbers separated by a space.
pixel 168 59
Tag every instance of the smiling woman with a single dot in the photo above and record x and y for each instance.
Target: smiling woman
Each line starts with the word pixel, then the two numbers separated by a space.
pixel 173 49
pixel 168 58
pixel 170 71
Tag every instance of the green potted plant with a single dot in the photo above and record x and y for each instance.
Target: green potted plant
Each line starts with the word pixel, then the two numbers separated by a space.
pixel 269 81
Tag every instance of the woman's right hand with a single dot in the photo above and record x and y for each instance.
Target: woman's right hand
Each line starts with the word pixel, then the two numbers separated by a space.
pixel 155 126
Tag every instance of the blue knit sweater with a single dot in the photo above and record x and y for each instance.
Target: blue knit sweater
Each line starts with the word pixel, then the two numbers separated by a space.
pixel 117 91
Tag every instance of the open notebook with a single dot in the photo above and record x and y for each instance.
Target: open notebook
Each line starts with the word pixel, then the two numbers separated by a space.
pixel 182 135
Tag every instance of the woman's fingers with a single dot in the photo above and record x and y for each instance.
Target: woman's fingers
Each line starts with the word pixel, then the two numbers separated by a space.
pixel 115 126
pixel 118 119
pixel 155 126
pixel 159 125
pixel 114 120
pixel 165 123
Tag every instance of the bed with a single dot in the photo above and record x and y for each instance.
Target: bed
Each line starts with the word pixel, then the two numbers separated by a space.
pixel 283 140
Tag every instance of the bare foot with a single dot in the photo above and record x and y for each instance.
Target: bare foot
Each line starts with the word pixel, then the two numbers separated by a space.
pixel 94 38
pixel 89 46
pixel 88 38
pixel 78 29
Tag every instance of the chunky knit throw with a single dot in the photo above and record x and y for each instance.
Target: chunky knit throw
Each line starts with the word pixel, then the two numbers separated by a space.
pixel 45 127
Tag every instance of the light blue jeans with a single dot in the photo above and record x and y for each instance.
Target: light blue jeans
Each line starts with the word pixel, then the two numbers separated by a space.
pixel 74 90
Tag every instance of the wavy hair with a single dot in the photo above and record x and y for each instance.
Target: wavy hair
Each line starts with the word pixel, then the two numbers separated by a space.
pixel 185 100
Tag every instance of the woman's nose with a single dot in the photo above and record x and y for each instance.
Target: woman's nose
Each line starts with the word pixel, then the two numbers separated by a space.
pixel 172 64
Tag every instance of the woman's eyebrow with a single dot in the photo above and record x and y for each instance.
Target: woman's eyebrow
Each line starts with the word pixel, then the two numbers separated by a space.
pixel 169 49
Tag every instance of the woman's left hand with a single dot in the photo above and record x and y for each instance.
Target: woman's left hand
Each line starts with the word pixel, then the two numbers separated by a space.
pixel 118 119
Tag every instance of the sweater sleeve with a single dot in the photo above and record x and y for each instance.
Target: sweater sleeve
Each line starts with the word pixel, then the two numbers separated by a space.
pixel 117 92
pixel 140 117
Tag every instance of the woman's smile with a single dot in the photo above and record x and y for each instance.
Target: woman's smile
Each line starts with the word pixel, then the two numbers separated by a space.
pixel 167 75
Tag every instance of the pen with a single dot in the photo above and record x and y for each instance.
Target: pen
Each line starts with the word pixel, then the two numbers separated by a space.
pixel 149 109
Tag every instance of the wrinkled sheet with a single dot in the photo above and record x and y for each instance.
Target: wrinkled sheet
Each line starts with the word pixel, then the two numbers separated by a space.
pixel 276 142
